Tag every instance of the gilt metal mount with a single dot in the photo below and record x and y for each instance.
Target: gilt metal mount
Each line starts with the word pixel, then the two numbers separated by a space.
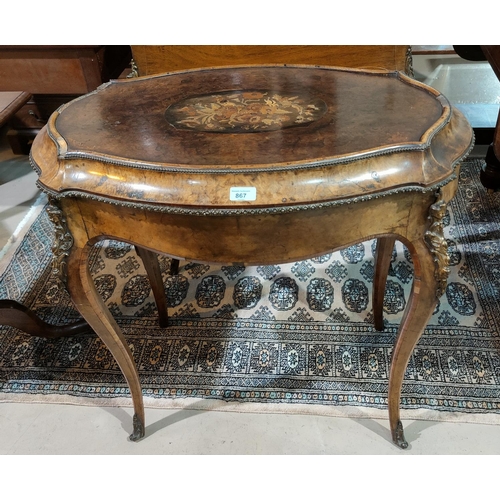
pixel 63 240
pixel 435 240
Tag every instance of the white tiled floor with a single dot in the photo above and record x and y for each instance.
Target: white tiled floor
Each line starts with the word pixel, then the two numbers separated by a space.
pixel 472 85
pixel 34 429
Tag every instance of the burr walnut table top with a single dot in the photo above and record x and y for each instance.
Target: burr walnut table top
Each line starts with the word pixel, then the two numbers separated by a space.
pixel 292 134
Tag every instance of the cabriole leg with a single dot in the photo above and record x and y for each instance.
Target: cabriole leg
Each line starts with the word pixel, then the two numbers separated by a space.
pixel 91 306
pixel 430 260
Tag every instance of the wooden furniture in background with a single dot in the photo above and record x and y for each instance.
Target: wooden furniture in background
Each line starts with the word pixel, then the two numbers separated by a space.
pixel 490 175
pixel 258 165
pixel 53 75
pixel 12 313
pixel 10 103
pixel 34 81
pixel 153 59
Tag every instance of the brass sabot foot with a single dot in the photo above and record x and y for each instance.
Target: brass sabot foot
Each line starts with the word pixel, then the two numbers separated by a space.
pixel 139 430
pixel 398 436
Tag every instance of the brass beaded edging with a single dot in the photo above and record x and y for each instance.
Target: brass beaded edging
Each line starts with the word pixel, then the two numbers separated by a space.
pixel 222 171
pixel 241 211
pixel 247 211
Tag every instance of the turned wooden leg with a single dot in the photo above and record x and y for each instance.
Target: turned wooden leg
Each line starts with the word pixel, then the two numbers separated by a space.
pixel 91 306
pixel 383 255
pixel 150 261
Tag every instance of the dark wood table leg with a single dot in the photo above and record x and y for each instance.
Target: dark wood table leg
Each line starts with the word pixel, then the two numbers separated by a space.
pixel 14 314
pixel 490 174
pixel 150 261
pixel 174 267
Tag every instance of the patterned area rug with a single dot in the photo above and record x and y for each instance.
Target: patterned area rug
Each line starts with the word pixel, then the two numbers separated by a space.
pixel 295 337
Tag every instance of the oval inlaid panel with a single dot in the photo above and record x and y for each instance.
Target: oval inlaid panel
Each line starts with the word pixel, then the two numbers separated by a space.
pixel 245 111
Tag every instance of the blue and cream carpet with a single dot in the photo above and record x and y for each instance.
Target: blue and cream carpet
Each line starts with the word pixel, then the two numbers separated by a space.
pixel 295 337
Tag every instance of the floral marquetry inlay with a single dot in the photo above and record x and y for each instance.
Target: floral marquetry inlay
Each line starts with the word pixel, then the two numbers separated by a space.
pixel 245 111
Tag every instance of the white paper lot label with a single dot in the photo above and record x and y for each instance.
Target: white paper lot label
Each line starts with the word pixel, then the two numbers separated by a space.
pixel 242 194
